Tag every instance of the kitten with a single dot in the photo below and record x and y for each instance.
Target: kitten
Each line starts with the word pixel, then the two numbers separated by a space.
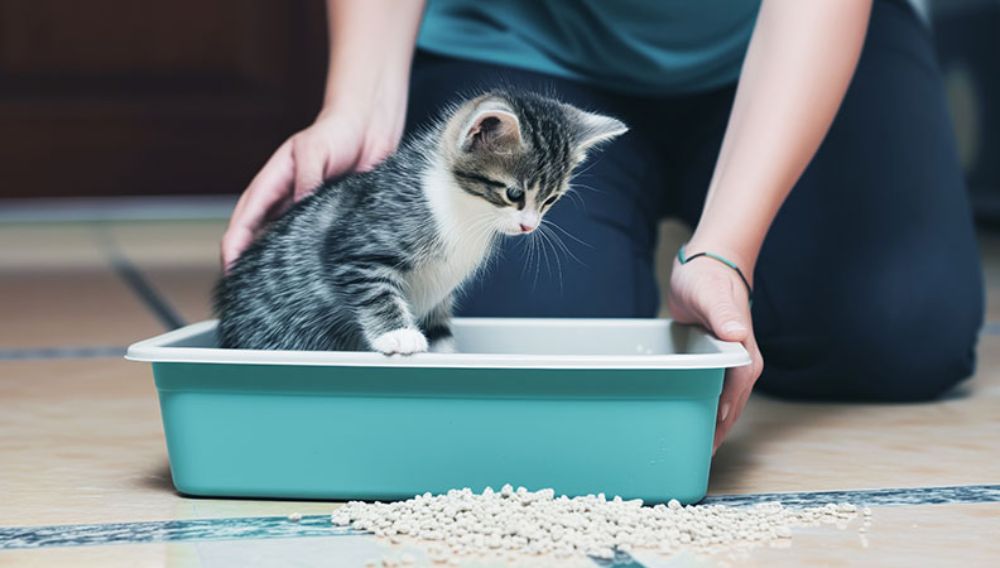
pixel 370 262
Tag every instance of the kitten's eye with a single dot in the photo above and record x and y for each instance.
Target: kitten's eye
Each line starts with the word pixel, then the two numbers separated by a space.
pixel 515 194
pixel 550 201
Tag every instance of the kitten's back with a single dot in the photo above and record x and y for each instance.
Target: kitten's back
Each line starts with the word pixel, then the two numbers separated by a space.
pixel 280 295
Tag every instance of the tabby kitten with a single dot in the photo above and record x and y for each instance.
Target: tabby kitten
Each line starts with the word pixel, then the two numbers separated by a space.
pixel 371 262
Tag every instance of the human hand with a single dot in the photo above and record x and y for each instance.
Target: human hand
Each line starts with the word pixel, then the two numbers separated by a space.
pixel 709 293
pixel 338 142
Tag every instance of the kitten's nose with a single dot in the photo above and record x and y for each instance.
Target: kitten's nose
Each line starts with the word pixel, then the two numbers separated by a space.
pixel 526 228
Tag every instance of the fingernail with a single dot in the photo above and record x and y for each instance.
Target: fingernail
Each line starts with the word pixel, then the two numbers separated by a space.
pixel 733 327
pixel 724 412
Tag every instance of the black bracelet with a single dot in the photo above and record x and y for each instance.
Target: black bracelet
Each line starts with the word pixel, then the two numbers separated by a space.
pixel 684 259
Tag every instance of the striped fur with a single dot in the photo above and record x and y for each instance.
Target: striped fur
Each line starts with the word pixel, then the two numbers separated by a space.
pixel 371 261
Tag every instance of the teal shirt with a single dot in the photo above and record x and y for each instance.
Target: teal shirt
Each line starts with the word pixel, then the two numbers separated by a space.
pixel 636 46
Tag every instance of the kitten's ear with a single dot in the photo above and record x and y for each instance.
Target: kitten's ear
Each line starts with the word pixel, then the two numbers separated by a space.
pixel 592 128
pixel 491 128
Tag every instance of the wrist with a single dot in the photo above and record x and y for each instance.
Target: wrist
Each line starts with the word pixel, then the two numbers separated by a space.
pixel 377 106
pixel 365 96
pixel 741 255
pixel 354 83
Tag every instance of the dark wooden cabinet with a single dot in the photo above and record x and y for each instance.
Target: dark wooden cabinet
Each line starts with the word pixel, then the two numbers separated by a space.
pixel 125 97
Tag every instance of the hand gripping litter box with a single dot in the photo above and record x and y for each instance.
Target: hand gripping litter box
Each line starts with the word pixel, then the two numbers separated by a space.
pixel 624 407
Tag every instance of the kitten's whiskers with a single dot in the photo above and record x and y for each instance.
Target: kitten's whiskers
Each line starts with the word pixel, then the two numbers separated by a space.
pixel 546 243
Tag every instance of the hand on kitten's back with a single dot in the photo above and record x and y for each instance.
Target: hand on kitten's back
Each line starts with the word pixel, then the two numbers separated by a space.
pixel 371 261
pixel 338 142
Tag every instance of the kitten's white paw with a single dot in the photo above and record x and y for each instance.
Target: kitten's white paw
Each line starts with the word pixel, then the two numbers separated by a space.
pixel 445 345
pixel 404 341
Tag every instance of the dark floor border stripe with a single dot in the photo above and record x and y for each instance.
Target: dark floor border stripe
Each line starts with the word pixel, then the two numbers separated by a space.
pixel 145 291
pixel 892 497
pixel 169 531
pixel 319 525
pixel 49 353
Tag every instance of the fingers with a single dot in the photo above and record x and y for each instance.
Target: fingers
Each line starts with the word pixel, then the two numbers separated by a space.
pixel 265 193
pixel 730 405
pixel 713 295
pixel 727 316
pixel 373 155
pixel 234 242
pixel 328 148
pixel 322 155
pixel 736 392
pixel 339 161
pixel 310 165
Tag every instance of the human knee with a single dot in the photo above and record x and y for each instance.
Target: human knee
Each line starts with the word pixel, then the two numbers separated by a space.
pixel 894 372
pixel 910 357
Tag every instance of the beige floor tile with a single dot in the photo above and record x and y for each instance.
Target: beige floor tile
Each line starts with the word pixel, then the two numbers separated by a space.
pixel 169 243
pixel 154 555
pixel 187 288
pixel 27 246
pixel 81 442
pixel 929 535
pixel 993 303
pixel 989 244
pixel 71 306
pixel 331 552
pixel 989 248
pixel 180 259
pixel 781 446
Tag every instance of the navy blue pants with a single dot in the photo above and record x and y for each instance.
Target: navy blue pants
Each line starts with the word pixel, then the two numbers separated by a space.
pixel 868 286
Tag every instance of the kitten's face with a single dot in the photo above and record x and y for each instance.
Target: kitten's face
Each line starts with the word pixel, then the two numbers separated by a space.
pixel 517 153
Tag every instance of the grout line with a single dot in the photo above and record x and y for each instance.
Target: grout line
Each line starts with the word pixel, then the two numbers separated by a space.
pixel 50 353
pixel 138 283
pixel 156 303
pixel 319 525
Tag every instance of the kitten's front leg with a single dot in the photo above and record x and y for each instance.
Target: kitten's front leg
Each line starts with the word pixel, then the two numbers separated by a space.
pixel 404 341
pixel 437 328
pixel 382 310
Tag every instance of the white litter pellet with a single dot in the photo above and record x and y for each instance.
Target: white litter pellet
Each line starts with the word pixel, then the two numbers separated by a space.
pixel 521 523
pixel 295 517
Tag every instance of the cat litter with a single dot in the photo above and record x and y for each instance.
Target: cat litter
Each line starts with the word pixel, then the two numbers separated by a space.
pixel 523 524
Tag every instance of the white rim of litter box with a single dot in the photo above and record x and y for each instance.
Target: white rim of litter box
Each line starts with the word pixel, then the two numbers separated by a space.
pixel 728 354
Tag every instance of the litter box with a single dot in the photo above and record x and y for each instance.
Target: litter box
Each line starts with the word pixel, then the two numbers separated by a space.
pixel 620 406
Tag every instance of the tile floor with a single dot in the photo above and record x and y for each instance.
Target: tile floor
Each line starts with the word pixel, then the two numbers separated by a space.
pixel 81 442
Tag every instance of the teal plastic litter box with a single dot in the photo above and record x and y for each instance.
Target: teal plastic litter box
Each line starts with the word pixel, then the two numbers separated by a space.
pixel 621 406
